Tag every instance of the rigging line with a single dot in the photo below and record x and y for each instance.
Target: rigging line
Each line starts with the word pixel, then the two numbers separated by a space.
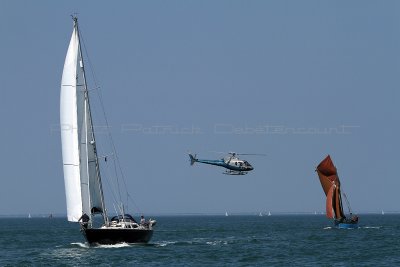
pixel 345 197
pixel 106 168
pixel 88 113
pixel 117 178
pixel 107 179
pixel 104 113
pixel 347 201
pixel 117 211
pixel 106 121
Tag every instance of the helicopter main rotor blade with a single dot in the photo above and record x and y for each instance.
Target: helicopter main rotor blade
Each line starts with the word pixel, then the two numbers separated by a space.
pixel 250 154
pixel 237 154
pixel 219 152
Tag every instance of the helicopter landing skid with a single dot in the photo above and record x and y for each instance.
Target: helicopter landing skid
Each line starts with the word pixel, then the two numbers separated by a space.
pixel 230 172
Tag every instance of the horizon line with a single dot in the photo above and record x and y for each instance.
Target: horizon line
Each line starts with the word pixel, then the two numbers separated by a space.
pixel 246 213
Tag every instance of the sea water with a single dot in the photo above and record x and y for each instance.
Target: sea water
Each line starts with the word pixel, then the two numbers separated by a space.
pixel 282 240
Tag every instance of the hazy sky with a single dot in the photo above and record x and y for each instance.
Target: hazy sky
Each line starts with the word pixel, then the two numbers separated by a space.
pixel 296 80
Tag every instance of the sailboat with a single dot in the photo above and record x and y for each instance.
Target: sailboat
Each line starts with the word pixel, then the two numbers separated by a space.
pixel 82 172
pixel 269 213
pixel 226 214
pixel 330 182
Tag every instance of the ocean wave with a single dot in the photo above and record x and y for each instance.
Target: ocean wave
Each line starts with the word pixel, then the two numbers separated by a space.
pixel 195 241
pixel 217 242
pixel 176 243
pixel 164 243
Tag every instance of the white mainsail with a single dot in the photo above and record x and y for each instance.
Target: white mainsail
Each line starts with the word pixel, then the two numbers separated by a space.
pixel 81 174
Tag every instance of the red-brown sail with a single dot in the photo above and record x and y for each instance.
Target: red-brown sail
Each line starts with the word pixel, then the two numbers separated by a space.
pixel 329 198
pixel 330 182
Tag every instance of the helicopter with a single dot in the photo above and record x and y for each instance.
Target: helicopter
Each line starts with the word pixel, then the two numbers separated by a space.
pixel 232 164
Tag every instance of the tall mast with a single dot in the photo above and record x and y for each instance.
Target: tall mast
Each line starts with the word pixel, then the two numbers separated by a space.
pixel 93 140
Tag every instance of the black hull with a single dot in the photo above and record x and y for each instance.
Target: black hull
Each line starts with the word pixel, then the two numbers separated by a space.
pixel 111 236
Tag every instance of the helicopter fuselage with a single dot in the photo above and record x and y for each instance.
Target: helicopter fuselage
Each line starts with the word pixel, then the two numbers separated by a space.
pixel 233 164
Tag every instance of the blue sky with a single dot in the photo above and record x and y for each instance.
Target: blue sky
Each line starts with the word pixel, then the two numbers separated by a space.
pixel 296 80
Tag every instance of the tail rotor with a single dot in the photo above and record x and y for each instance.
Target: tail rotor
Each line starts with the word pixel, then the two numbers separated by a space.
pixel 192 159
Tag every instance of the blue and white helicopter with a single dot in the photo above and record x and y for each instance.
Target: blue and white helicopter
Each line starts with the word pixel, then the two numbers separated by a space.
pixel 232 164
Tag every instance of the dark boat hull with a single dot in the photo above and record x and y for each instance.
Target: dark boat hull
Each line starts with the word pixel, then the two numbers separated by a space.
pixel 111 236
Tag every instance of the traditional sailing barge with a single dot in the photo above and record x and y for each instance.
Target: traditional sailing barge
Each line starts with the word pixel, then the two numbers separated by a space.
pixel 330 182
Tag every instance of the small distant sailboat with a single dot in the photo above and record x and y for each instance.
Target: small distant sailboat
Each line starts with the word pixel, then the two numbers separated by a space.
pixel 29 216
pixel 260 214
pixel 383 213
pixel 269 213
pixel 330 182
pixel 226 214
pixel 82 172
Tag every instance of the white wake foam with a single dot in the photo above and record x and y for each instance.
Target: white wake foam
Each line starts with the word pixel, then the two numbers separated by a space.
pixel 371 227
pixel 119 245
pixel 79 244
pixel 86 245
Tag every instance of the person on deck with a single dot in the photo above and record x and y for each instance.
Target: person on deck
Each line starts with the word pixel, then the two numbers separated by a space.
pixel 84 219
pixel 354 218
